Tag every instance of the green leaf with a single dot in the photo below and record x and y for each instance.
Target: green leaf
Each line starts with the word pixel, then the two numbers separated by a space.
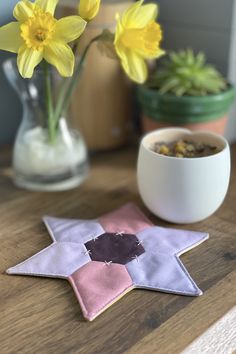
pixel 187 73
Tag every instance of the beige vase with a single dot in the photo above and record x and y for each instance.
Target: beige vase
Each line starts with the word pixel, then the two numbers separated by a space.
pixel 102 104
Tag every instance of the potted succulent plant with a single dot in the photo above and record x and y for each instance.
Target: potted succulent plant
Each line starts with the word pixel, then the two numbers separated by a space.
pixel 186 92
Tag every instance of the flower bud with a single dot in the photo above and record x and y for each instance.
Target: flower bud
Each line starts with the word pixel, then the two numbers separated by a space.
pixel 88 9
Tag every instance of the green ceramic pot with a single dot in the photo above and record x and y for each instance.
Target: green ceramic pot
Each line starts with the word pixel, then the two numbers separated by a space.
pixel 160 110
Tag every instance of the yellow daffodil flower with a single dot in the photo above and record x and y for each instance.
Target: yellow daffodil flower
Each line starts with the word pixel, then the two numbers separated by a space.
pixel 88 9
pixel 37 35
pixel 138 38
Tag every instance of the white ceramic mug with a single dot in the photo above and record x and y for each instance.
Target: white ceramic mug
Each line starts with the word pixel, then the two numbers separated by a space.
pixel 183 190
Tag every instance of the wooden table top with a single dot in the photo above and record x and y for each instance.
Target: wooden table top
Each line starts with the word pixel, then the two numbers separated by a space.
pixel 41 315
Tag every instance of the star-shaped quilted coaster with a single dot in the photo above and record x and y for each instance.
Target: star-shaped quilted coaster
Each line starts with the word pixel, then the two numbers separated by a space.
pixel 104 259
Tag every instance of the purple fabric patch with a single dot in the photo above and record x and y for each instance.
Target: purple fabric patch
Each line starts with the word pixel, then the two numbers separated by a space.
pixel 116 248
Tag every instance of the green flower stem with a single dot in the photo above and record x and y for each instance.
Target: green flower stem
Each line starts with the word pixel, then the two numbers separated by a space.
pixel 49 102
pixel 66 93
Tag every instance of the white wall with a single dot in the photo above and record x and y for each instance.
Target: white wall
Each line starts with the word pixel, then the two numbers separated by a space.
pixel 231 129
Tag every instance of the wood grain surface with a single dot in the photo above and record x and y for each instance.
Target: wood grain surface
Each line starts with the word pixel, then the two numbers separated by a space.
pixel 39 315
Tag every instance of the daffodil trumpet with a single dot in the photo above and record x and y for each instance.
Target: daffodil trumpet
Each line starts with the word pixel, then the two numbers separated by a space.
pixel 137 38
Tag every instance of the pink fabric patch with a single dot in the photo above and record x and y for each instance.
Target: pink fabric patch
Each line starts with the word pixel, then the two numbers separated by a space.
pixel 127 219
pixel 97 285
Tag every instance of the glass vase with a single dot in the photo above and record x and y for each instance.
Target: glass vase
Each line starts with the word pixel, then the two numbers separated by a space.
pixel 44 159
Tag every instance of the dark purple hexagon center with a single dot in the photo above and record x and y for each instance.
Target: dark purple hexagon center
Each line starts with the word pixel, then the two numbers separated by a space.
pixel 115 248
